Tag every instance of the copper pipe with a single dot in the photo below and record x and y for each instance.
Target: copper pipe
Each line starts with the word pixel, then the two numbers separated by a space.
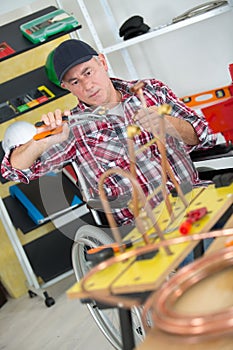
pixel 161 147
pixel 146 145
pixel 176 184
pixel 164 299
pixel 162 150
pixel 137 89
pixel 162 110
pixel 133 130
pixel 140 195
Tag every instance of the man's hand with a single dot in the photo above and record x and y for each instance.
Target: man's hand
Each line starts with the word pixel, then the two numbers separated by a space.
pixel 149 119
pixel 52 124
pixel 54 119
pixel 23 156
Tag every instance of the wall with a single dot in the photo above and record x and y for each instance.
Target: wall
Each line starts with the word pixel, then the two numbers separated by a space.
pixel 189 60
pixel 13 9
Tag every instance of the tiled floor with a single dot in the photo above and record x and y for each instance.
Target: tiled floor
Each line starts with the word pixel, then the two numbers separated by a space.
pixel 27 324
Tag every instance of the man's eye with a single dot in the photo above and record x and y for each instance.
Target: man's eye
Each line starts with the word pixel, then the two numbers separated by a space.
pixel 75 82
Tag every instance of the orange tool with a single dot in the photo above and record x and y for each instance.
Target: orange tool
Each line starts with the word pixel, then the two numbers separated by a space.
pixel 207 97
pixel 229 242
pixel 49 131
pixel 192 216
pixel 114 246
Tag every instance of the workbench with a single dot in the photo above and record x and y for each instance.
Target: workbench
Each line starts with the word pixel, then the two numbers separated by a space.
pixel 140 277
pixel 198 300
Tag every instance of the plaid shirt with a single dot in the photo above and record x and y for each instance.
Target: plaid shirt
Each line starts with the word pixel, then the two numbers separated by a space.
pixel 99 145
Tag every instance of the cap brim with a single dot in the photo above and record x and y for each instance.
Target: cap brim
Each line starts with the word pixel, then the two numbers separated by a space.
pixel 78 61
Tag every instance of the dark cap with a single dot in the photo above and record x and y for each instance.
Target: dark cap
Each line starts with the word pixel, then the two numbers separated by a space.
pixel 70 53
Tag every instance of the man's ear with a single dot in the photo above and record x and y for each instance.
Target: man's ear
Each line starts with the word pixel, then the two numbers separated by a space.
pixel 102 59
pixel 63 85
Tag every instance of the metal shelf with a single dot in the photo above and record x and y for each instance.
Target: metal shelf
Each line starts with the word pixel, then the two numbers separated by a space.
pixel 164 29
pixel 160 30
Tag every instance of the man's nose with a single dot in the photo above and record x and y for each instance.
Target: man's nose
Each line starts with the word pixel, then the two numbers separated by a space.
pixel 87 84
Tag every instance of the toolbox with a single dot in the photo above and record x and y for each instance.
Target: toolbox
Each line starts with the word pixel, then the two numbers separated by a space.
pixel 39 29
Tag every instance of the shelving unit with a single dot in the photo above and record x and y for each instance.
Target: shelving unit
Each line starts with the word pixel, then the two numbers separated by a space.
pixel 39 255
pixel 18 42
pixel 122 46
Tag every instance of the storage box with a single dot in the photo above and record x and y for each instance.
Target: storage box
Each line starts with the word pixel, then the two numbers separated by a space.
pixel 39 29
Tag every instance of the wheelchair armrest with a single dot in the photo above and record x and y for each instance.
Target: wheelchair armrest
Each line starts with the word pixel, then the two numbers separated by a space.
pixel 115 202
pixel 217 151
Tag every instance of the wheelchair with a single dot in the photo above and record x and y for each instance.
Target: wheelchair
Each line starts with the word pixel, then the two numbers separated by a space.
pixel 106 318
pixel 88 236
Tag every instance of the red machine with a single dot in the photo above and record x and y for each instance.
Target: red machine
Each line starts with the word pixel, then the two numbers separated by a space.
pixel 217 107
pixel 220 115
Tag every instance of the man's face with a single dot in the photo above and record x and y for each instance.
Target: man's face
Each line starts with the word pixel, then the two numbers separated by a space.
pixel 89 82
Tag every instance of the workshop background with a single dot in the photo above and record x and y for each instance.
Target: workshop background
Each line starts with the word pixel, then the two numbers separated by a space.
pixel 191 59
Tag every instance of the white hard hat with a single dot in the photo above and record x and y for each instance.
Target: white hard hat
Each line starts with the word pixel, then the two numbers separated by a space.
pixel 17 133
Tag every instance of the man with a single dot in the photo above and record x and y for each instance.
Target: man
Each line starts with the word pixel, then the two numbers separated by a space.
pixel 99 145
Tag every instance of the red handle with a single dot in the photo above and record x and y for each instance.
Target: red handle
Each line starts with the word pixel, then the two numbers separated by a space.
pixel 193 216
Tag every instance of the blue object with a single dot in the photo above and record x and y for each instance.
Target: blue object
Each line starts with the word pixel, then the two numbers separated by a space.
pixel 76 200
pixel 33 212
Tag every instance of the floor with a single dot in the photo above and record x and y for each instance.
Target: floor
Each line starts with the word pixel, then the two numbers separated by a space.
pixel 27 324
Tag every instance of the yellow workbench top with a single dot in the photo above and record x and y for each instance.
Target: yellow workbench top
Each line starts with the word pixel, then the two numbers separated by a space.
pixel 147 275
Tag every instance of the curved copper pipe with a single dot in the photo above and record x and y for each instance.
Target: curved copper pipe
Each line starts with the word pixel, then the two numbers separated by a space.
pixel 133 130
pixel 162 110
pixel 164 299
pixel 162 150
pixel 139 221
pixel 137 252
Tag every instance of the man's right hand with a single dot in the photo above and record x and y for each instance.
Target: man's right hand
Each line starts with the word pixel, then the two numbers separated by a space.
pixel 52 124
pixel 54 119
pixel 23 156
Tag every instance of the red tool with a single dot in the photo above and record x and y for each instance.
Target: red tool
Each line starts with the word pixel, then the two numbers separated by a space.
pixel 192 216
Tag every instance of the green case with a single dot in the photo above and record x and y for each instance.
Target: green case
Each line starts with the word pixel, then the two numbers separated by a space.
pixel 39 29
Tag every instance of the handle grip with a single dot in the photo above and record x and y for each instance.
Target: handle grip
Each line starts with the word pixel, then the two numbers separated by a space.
pixel 41 123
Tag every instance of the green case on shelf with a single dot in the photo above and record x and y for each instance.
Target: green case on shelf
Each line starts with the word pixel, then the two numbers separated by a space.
pixel 39 29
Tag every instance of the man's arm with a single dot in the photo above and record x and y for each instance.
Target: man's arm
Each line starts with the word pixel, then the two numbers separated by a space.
pixel 184 129
pixel 176 127
pixel 25 155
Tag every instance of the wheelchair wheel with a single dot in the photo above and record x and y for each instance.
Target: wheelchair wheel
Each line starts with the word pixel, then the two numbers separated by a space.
pixel 107 319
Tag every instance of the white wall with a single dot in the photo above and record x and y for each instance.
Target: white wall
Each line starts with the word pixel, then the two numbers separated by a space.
pixel 13 9
pixel 191 59
pixel 10 5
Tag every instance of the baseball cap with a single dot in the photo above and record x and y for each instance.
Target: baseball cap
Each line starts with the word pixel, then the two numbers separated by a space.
pixel 70 53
